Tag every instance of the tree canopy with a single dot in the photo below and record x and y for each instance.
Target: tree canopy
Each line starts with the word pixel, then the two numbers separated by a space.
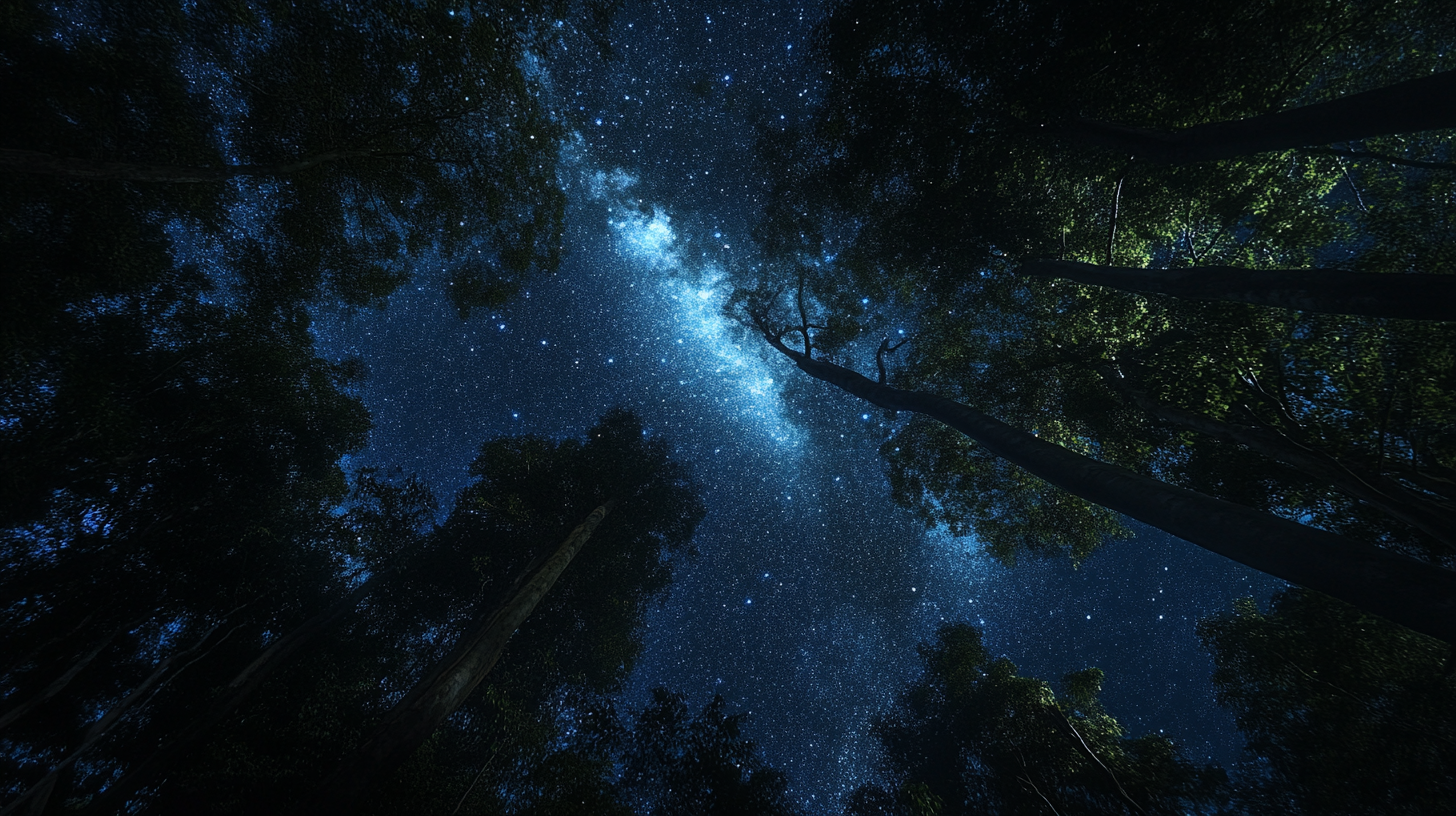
pixel 973 736
pixel 949 150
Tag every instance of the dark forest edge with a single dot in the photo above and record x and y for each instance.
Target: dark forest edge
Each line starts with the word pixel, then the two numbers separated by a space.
pixel 1333 291
pixel 1266 237
pixel 206 613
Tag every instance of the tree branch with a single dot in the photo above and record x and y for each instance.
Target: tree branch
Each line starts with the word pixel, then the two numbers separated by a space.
pixel 886 348
pixel 1409 592
pixel 46 164
pixel 1329 291
pixel 1384 157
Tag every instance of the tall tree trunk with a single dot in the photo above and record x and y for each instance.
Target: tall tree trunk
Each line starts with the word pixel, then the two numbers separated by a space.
pixel 39 794
pixel 59 684
pixel 46 164
pixel 1378 491
pixel 1414 594
pixel 447 685
pixel 1331 291
pixel 238 691
pixel 1428 103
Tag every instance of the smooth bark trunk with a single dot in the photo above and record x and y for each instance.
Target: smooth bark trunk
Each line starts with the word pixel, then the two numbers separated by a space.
pixel 46 164
pixel 1427 103
pixel 1330 291
pixel 1409 592
pixel 447 685
pixel 238 691
pixel 1376 490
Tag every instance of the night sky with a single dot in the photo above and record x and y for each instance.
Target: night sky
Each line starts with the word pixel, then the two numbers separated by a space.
pixel 811 589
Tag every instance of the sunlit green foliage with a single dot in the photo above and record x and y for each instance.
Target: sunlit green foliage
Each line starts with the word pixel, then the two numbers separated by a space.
pixel 938 162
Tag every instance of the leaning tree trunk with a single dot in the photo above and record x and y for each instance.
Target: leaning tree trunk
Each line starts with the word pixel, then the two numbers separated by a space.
pixel 36 797
pixel 1412 593
pixel 446 686
pixel 1374 489
pixel 59 684
pixel 46 164
pixel 238 691
pixel 1332 291
pixel 1428 103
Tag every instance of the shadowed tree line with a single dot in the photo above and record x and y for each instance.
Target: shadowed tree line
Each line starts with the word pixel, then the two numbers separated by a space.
pixel 1278 415
pixel 1185 263
pixel 1342 713
pixel 202 612
pixel 1157 263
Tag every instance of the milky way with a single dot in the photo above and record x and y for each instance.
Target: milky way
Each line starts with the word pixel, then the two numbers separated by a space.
pixel 811 589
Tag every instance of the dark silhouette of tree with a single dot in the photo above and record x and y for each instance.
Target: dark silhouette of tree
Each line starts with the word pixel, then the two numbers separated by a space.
pixel 450 682
pixel 925 180
pixel 1415 105
pixel 1410 297
pixel 972 736
pixel 1341 712
pixel 434 601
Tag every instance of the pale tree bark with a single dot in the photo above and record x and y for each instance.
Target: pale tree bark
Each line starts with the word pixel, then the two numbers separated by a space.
pixel 46 164
pixel 1427 103
pixel 1329 291
pixel 449 683
pixel 237 692
pixel 1409 592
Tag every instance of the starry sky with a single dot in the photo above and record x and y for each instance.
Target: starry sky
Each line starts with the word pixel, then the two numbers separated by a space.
pixel 811 588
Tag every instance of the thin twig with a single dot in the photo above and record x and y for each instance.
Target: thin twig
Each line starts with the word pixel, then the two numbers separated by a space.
pixel 1112 226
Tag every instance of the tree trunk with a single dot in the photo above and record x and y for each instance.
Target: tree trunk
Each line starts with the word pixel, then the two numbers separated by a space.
pixel 446 686
pixel 1378 491
pixel 238 690
pixel 30 161
pixel 1331 291
pixel 1411 593
pixel 39 794
pixel 1428 103
pixel 59 684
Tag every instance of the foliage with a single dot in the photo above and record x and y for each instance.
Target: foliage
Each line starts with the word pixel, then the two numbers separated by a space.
pixel 944 153
pixel 1342 712
pixel 973 736
pixel 529 493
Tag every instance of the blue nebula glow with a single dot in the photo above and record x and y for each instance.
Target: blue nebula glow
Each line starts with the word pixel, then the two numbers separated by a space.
pixel 648 238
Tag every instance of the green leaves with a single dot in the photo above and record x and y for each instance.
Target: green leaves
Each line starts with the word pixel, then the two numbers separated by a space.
pixel 973 736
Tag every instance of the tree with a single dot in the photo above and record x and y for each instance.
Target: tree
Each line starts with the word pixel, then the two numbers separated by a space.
pixel 1411 106
pixel 1341 712
pixel 676 763
pixel 437 611
pixel 1409 297
pixel 364 135
pixel 386 516
pixel 924 180
pixel 180 470
pixel 973 736
pixel 1403 589
pixel 446 686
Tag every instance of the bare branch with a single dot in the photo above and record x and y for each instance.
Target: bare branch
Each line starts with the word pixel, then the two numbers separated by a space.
pixel 1384 157
pixel 1092 755
pixel 886 348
